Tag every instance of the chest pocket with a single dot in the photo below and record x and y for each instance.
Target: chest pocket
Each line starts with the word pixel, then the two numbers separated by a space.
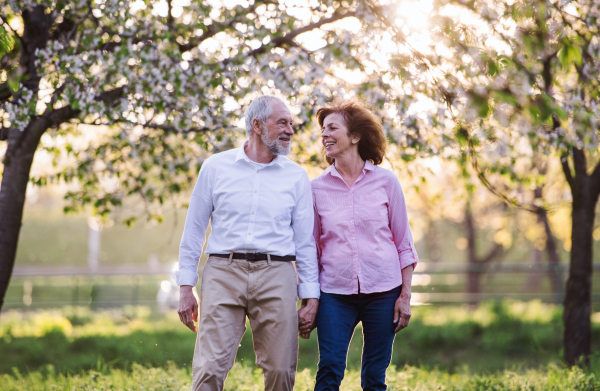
pixel 374 207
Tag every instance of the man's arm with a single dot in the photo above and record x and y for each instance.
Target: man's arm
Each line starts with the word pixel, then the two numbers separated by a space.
pixel 192 241
pixel 306 259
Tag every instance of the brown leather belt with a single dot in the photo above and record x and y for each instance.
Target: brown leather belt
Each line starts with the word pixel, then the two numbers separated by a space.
pixel 256 257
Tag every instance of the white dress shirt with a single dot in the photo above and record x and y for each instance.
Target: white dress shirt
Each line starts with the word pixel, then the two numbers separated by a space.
pixel 264 208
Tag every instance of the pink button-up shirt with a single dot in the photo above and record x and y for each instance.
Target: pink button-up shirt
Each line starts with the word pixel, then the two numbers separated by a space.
pixel 362 232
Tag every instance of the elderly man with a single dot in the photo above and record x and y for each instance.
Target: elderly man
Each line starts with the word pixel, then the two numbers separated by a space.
pixel 262 219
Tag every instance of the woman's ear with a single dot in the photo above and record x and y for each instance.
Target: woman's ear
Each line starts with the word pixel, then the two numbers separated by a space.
pixel 355 140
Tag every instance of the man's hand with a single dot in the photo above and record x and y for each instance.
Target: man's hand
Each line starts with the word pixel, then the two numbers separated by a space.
pixel 307 317
pixel 188 307
pixel 402 311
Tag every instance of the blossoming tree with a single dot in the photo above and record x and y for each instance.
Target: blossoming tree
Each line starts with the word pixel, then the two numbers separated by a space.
pixel 519 79
pixel 156 85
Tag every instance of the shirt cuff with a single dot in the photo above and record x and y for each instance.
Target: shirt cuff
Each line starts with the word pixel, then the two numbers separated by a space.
pixel 407 260
pixel 186 277
pixel 309 290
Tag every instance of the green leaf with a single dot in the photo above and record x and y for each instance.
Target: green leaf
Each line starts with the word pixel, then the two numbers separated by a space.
pixel 493 68
pixel 6 42
pixel 505 96
pixel 481 104
pixel 462 135
pixel 569 54
pixel 408 158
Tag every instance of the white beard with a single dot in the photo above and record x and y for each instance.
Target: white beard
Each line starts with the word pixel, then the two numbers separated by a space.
pixel 274 147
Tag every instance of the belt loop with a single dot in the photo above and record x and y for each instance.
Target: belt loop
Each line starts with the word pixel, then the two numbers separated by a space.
pixel 269 259
pixel 230 258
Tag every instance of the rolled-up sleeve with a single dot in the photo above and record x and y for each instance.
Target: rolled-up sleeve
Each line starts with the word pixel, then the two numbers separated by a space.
pixel 306 253
pixel 196 222
pixel 399 226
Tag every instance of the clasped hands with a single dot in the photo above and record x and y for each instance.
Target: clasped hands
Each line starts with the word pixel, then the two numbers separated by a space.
pixel 307 317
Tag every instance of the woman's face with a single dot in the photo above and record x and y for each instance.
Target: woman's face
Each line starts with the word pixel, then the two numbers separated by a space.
pixel 335 137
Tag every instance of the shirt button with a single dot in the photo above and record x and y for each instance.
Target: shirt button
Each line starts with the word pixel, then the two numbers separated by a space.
pixel 351 221
pixel 249 233
pixel 257 171
pixel 252 212
pixel 255 191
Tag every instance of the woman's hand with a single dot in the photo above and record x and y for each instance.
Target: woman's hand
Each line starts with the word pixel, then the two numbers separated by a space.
pixel 402 307
pixel 307 317
pixel 402 311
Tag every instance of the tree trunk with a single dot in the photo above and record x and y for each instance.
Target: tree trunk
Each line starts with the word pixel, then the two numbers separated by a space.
pixel 432 240
pixel 578 298
pixel 532 284
pixel 17 165
pixel 554 271
pixel 474 267
pixel 21 145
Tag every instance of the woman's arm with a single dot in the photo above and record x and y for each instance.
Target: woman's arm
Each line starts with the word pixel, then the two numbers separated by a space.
pixel 402 307
pixel 399 225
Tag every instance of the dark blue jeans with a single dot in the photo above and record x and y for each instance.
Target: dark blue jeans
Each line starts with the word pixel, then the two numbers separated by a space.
pixel 338 316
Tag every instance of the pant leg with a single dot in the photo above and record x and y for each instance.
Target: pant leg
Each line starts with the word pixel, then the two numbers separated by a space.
pixel 222 322
pixel 336 321
pixel 274 321
pixel 377 317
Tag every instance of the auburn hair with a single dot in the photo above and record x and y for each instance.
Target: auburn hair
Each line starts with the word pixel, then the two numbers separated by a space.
pixel 361 122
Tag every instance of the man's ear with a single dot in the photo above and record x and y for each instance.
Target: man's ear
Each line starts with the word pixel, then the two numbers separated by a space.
pixel 257 126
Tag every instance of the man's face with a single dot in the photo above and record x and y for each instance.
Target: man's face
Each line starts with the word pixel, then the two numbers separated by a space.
pixel 278 131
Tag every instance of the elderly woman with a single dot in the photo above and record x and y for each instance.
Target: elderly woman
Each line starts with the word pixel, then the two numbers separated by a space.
pixel 364 245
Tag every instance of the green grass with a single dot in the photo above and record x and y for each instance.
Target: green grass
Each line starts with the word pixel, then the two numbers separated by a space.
pixel 246 378
pixel 495 337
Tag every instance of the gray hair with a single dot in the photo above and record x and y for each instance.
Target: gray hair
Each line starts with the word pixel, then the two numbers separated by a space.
pixel 261 109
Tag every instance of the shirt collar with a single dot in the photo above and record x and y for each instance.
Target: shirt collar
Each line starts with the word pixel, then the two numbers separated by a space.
pixel 333 171
pixel 242 155
pixel 369 166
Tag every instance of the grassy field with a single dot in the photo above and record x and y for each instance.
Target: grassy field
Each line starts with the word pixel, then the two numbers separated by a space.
pixel 245 378
pixel 495 337
pixel 499 346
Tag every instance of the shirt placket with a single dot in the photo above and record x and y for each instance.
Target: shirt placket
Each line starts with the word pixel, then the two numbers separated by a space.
pixel 353 236
pixel 353 242
pixel 253 209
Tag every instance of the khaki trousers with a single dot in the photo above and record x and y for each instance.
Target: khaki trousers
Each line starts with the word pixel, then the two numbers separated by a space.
pixel 265 292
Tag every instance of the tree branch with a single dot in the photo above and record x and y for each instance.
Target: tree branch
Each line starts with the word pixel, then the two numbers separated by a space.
pixel 5 92
pixel 289 37
pixel 595 180
pixel 173 129
pixel 564 160
pixel 579 162
pixel 76 26
pixel 211 31
pixel 165 128
pixel 488 185
pixel 494 252
pixel 64 114
pixel 170 16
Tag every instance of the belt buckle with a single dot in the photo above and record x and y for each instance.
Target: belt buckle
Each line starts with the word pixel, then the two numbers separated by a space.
pixel 251 256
